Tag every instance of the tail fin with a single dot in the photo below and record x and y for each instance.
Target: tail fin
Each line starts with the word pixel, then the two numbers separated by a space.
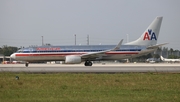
pixel 162 58
pixel 150 35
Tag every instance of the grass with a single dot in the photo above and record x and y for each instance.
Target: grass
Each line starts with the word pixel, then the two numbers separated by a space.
pixel 71 87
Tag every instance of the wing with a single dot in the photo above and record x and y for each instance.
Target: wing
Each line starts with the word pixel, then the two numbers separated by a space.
pixel 100 53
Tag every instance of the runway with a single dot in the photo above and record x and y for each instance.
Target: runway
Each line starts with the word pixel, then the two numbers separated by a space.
pixel 96 68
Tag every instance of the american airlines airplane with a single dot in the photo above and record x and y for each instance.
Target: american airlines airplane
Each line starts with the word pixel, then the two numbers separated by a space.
pixel 76 54
pixel 169 60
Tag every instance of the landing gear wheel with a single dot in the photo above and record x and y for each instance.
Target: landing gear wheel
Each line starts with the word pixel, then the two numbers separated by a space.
pixel 88 63
pixel 26 64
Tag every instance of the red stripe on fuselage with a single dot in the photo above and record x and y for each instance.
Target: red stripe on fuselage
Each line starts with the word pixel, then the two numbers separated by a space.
pixel 121 53
pixel 38 54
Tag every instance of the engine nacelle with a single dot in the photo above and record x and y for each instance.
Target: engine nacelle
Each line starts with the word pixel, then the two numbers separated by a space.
pixel 73 59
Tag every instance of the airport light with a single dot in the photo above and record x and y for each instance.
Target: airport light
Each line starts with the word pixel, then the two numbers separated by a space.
pixel 87 39
pixel 42 41
pixel 127 38
pixel 74 39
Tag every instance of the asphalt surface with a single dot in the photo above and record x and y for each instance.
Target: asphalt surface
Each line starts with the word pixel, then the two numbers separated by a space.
pixel 96 68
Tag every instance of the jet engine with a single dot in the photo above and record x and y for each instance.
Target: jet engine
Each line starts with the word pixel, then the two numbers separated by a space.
pixel 73 59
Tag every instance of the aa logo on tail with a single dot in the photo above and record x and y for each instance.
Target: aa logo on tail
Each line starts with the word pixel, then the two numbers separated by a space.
pixel 149 35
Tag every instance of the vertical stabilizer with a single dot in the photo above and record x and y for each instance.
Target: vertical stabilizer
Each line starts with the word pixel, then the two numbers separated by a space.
pixel 150 35
pixel 162 58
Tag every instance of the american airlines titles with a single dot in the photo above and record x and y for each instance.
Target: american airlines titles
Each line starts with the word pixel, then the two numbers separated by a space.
pixel 149 35
pixel 48 49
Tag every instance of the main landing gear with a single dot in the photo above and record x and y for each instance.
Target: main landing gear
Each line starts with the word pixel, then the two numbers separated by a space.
pixel 88 63
pixel 26 64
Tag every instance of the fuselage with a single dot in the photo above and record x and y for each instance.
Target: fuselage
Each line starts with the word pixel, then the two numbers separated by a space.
pixel 170 60
pixel 58 53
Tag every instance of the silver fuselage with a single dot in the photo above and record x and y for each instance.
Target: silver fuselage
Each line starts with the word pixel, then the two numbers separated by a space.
pixel 58 53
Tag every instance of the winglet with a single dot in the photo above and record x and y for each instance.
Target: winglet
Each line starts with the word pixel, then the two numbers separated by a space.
pixel 117 46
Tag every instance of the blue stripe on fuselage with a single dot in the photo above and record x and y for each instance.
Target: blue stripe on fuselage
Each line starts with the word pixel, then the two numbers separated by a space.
pixel 77 51
pixel 81 48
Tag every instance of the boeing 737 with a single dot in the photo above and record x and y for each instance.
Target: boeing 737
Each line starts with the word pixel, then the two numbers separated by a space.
pixel 169 60
pixel 145 44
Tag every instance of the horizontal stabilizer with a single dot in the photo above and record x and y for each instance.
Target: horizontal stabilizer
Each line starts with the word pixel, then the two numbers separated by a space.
pixel 156 46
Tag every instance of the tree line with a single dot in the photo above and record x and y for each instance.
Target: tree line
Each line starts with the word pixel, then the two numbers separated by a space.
pixel 7 50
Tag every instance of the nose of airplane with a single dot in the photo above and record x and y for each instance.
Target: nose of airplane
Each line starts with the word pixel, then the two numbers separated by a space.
pixel 13 56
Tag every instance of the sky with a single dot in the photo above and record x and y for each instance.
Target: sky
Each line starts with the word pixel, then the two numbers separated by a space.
pixel 24 22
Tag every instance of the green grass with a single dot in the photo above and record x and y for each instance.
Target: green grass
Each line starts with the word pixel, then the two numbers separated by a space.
pixel 71 87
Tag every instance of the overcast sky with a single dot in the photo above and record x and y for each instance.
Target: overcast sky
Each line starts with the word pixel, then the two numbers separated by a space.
pixel 24 22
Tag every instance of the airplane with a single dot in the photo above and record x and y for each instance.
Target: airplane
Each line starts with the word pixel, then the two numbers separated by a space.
pixel 169 60
pixel 77 54
pixel 153 60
